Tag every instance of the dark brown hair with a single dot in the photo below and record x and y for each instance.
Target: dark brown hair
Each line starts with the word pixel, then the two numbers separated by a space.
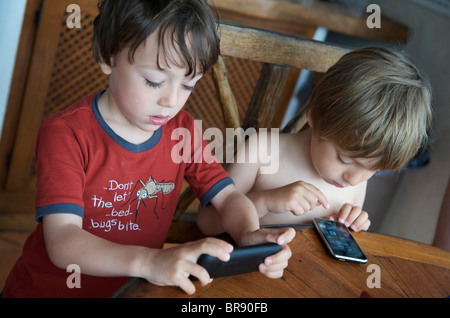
pixel 127 23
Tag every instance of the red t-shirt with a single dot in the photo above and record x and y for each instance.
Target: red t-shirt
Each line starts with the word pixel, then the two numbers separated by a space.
pixel 126 193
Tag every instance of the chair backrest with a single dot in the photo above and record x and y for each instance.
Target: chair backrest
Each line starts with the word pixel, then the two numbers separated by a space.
pixel 278 53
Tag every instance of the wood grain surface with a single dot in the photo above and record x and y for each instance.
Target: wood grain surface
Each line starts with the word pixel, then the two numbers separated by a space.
pixel 406 268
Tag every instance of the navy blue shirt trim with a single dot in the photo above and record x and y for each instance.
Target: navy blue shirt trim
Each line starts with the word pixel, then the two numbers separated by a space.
pixel 69 208
pixel 153 141
pixel 214 190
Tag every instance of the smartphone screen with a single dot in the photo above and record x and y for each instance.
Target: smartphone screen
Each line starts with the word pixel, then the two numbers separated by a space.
pixel 339 241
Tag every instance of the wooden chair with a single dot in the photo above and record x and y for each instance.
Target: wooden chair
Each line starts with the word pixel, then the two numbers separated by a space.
pixel 278 53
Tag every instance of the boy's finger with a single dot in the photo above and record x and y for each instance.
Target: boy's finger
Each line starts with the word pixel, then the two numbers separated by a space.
pixel 355 211
pixel 343 213
pixel 365 226
pixel 215 247
pixel 321 199
pixel 280 236
pixel 279 260
pixel 274 265
pixel 186 285
pixel 286 236
pixel 270 273
pixel 200 273
pixel 362 222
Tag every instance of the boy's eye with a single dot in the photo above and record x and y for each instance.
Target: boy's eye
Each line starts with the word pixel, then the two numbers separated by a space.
pixel 158 85
pixel 152 84
pixel 344 162
pixel 189 88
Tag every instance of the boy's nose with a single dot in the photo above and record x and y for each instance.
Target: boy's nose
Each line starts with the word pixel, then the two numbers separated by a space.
pixel 170 97
pixel 354 178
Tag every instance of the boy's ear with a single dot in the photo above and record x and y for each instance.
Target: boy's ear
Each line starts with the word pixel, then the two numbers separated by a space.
pixel 106 68
pixel 308 116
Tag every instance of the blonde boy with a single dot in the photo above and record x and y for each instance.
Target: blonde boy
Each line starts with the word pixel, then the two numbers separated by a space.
pixel 371 111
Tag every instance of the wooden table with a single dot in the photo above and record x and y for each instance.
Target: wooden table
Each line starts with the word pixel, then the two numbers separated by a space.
pixel 405 268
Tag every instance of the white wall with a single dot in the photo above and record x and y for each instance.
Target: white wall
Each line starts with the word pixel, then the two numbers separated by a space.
pixel 11 17
pixel 415 207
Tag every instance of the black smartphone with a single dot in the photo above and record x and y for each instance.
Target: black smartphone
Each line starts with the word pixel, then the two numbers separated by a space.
pixel 243 259
pixel 339 241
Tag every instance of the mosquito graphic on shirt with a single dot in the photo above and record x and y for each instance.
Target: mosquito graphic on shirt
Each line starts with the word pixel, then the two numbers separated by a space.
pixel 150 190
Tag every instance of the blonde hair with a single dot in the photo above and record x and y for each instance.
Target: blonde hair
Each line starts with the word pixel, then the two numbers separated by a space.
pixel 373 103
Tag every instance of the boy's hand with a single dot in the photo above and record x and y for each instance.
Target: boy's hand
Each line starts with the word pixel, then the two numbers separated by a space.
pixel 353 217
pixel 273 265
pixel 173 266
pixel 298 197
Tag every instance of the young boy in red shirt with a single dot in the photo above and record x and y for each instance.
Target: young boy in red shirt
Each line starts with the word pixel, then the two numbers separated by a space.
pixel 107 184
